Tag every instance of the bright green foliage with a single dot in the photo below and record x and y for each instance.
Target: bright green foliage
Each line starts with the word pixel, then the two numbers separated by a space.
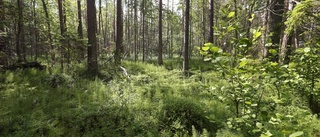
pixel 300 13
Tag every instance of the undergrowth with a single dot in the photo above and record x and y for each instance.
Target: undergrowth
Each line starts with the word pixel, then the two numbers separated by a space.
pixel 155 101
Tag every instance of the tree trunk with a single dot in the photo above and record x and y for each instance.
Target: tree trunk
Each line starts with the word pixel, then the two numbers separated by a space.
pixel 52 51
pixel 276 24
pixel 186 38
pixel 2 36
pixel 285 36
pixel 135 30
pixel 119 46
pixel 62 31
pixel 20 46
pixel 160 60
pixel 80 32
pixel 92 38
pixel 143 30
pixel 211 21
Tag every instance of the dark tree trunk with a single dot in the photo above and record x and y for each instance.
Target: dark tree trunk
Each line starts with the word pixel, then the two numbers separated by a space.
pixel 119 46
pixel 160 60
pixel 2 36
pixel 186 38
pixel 143 30
pixel 80 32
pixel 135 30
pixel 276 24
pixel 49 33
pixel 20 46
pixel 92 38
pixel 211 21
pixel 62 30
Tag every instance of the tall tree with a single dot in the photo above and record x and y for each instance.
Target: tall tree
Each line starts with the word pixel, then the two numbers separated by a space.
pixel 92 38
pixel 62 30
pixel 20 45
pixel 2 35
pixel 160 60
pixel 276 23
pixel 186 38
pixel 135 30
pixel 119 41
pixel 211 21
pixel 49 32
pixel 80 32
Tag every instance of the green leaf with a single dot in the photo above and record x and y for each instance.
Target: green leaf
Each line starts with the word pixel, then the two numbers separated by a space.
pixel 241 65
pixel 307 49
pixel 214 49
pixel 205 48
pixel 252 17
pixel 296 134
pixel 230 28
pixel 208 45
pixel 256 35
pixel 259 125
pixel 268 45
pixel 273 51
pixel 231 14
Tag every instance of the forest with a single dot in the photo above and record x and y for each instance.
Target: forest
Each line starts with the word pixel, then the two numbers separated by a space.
pixel 154 68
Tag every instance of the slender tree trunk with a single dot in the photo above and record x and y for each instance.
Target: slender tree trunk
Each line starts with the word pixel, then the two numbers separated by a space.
pixel 35 30
pixel 119 46
pixel 160 60
pixel 143 30
pixel 80 32
pixel 285 36
pixel 135 30
pixel 52 51
pixel 186 38
pixel 3 57
pixel 62 30
pixel 20 46
pixel 92 38
pixel 264 39
pixel 211 21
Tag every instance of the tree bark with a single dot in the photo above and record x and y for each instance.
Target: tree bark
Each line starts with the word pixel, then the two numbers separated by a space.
pixel 80 32
pixel 92 38
pixel 52 51
pixel 186 38
pixel 211 21
pixel 119 46
pixel 20 46
pixel 276 24
pixel 160 60
pixel 135 30
pixel 2 35
pixel 62 31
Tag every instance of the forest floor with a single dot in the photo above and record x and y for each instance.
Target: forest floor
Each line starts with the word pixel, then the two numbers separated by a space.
pixel 155 101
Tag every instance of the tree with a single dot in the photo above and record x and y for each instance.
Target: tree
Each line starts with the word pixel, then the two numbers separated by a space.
pixel 62 30
pixel 211 21
pixel 160 60
pixel 119 41
pixel 2 35
pixel 49 32
pixel 80 33
pixel 186 38
pixel 92 38
pixel 20 45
